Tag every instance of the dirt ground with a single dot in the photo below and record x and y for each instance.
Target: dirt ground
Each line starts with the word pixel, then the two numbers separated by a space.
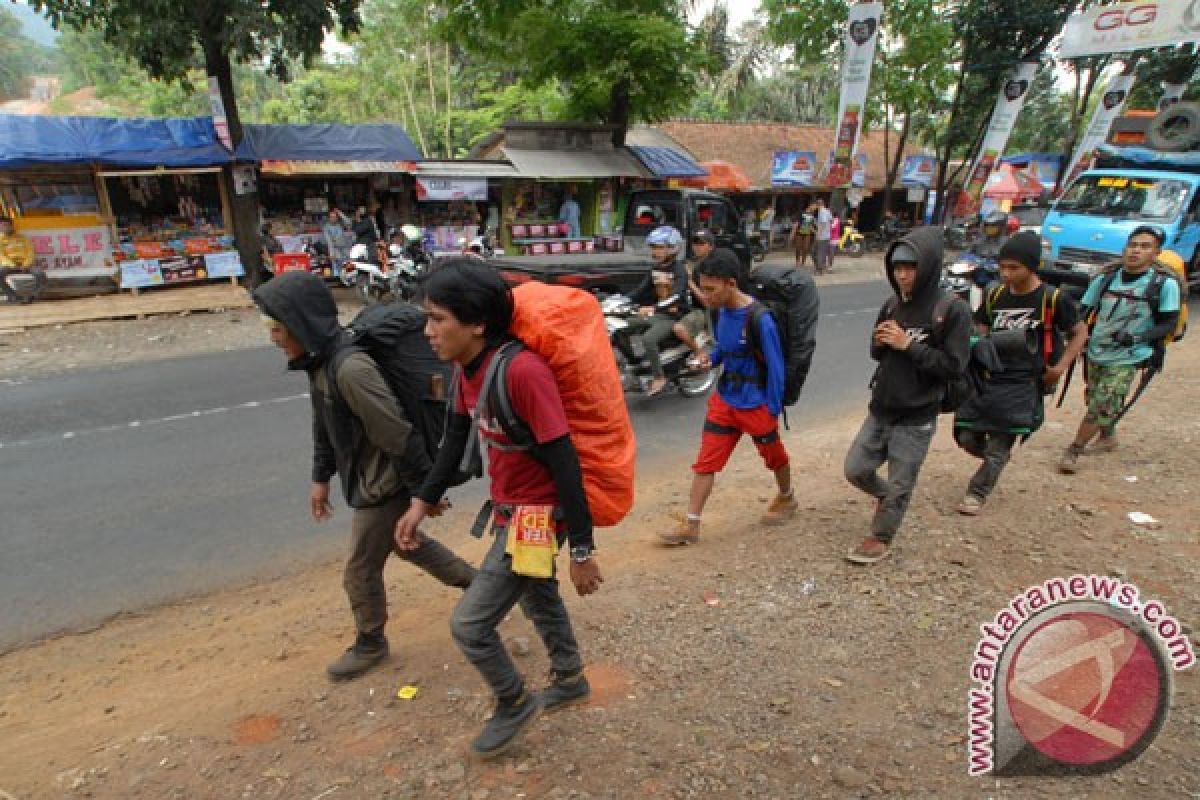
pixel 757 664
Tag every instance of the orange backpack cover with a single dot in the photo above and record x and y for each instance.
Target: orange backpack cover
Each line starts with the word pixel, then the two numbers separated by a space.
pixel 566 327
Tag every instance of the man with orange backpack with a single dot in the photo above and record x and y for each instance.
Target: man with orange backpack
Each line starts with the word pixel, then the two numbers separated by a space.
pixel 1132 310
pixel 537 494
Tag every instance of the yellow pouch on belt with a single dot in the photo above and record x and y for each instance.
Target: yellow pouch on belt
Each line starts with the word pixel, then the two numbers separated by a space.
pixel 533 541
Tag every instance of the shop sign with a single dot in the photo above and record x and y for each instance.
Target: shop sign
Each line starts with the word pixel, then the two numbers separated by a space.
pixel 244 180
pixel 793 168
pixel 140 273
pixel 334 167
pixel 916 194
pixel 1130 26
pixel 78 251
pixel 143 272
pixel 224 265
pixel 918 171
pixel 445 190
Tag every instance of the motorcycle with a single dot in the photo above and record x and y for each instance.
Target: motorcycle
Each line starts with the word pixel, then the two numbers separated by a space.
pixel 482 245
pixel 958 235
pixel 758 248
pixel 395 279
pixel 677 359
pixel 968 276
pixel 852 243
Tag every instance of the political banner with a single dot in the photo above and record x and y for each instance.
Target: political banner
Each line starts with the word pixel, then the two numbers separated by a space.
pixel 1107 110
pixel 1004 117
pixel 862 32
pixel 1130 26
pixel 76 252
pixel 918 171
pixel 793 168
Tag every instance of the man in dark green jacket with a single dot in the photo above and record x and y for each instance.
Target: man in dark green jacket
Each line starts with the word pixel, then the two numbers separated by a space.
pixel 360 433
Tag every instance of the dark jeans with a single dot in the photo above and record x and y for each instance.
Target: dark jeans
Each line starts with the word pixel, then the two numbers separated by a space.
pixel 995 450
pixel 653 330
pixel 372 541
pixel 493 593
pixel 904 448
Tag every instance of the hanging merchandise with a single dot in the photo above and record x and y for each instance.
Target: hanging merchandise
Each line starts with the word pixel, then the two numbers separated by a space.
pixel 1004 117
pixel 862 31
pixel 1107 110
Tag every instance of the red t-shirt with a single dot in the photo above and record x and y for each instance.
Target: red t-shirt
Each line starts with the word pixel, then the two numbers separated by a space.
pixel 518 477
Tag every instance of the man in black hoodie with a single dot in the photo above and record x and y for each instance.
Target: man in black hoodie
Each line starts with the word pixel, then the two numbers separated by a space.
pixel 918 354
pixel 359 432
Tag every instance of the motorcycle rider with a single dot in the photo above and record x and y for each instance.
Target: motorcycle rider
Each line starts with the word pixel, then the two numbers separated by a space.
pixel 994 236
pixel 663 299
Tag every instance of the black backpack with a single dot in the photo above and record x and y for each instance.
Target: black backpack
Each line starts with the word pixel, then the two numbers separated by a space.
pixel 393 335
pixel 790 296
pixel 964 386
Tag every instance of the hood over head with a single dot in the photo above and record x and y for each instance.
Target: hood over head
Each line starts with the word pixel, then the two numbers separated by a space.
pixel 926 242
pixel 303 304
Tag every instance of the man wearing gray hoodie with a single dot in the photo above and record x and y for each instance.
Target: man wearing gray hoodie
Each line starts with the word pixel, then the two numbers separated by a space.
pixel 361 434
pixel 921 340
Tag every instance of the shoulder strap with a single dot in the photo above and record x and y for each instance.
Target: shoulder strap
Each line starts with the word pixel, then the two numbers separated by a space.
pixel 334 364
pixel 1106 282
pixel 1049 309
pixel 993 296
pixel 753 334
pixel 495 401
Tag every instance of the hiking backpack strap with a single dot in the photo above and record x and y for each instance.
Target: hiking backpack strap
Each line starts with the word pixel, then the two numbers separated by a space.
pixel 754 346
pixel 495 402
pixel 1049 309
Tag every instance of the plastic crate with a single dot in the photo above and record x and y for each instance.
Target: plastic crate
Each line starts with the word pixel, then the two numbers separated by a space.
pixel 537 230
pixel 558 247
pixel 537 249
pixel 520 231
pixel 575 246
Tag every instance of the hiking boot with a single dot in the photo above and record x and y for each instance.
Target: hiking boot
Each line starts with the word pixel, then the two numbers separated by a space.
pixel 564 691
pixel 1105 444
pixel 970 506
pixel 366 652
pixel 506 725
pixel 781 509
pixel 683 534
pixel 1069 463
pixel 869 551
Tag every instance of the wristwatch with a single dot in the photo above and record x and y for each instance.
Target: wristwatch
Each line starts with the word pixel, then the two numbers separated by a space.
pixel 581 554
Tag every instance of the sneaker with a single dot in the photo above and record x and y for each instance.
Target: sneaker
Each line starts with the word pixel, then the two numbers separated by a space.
pixel 869 551
pixel 683 534
pixel 970 506
pixel 506 726
pixel 781 509
pixel 366 652
pixel 563 692
pixel 1105 444
pixel 1069 463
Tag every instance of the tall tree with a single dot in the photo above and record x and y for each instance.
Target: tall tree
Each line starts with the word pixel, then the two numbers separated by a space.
pixel 163 37
pixel 618 60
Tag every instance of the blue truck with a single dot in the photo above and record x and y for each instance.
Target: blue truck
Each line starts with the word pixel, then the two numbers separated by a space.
pixel 1129 186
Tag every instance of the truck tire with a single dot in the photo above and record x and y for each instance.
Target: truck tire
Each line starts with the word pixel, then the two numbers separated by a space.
pixel 1176 129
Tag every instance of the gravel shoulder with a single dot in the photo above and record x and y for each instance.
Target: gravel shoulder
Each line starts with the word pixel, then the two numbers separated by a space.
pixel 756 664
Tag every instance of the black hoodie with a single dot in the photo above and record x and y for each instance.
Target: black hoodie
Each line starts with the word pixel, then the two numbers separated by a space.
pixel 909 384
pixel 359 431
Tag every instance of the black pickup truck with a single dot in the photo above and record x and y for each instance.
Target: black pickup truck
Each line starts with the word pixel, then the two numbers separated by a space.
pixel 688 210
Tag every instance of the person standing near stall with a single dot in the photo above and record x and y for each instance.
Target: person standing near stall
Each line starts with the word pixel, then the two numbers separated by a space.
pixel 569 212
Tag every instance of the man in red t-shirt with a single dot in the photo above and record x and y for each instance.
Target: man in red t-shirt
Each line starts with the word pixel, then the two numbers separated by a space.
pixel 537 495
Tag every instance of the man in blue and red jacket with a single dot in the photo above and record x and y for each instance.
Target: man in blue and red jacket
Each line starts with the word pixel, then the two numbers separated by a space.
pixel 749 396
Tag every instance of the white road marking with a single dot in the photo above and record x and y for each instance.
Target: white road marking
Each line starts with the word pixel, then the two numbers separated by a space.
pixel 138 423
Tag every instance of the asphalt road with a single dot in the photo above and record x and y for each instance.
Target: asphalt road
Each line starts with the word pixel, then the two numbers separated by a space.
pixel 131 486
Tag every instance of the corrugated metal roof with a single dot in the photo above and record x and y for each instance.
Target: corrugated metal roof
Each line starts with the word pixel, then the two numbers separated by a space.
pixel 467 169
pixel 566 164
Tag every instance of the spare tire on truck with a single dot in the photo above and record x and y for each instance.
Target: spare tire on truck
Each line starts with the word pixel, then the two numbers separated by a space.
pixel 1175 129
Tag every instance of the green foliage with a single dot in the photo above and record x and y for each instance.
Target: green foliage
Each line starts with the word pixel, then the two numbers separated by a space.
pixel 1045 123
pixel 617 60
pixel 20 57
pixel 1170 65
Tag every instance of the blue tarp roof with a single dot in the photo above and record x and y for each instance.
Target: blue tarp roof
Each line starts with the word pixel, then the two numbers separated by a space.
pixel 31 141
pixel 1144 156
pixel 1025 158
pixel 378 142
pixel 666 162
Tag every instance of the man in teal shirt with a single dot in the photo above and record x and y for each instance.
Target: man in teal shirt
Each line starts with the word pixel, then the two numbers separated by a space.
pixel 1135 309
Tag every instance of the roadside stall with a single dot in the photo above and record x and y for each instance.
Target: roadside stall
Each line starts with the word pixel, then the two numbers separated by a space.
pixel 307 171
pixel 135 201
pixel 456 201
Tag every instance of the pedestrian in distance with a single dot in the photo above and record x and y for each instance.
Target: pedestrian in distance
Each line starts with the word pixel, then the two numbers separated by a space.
pixel 469 311
pixel 823 238
pixel 1036 333
pixel 361 434
pixel 801 236
pixel 749 396
pixel 921 340
pixel 1132 309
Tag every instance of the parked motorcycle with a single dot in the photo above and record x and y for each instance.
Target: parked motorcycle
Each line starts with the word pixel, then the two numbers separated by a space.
pixel 968 276
pixel 758 248
pixel 678 366
pixel 396 279
pixel 483 245
pixel 852 243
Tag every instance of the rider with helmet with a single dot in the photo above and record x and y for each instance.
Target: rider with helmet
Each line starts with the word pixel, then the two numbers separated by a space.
pixel 995 234
pixel 663 299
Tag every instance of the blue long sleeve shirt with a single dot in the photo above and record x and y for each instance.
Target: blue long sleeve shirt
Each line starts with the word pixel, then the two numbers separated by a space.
pixel 734 352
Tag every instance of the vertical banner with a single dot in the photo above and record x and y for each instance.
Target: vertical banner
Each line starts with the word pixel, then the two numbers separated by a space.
pixel 220 121
pixel 862 31
pixel 1107 110
pixel 1004 118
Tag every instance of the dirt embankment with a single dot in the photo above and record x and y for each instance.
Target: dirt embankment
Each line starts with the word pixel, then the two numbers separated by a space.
pixel 757 664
